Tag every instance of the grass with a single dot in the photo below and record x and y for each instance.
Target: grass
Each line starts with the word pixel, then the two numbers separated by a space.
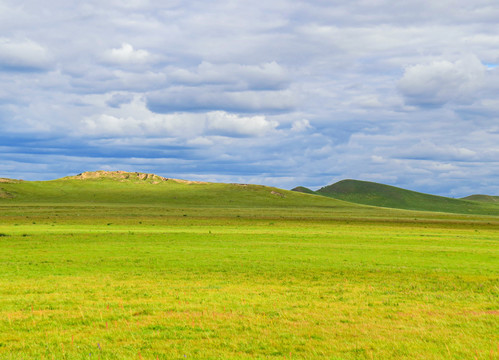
pixel 252 277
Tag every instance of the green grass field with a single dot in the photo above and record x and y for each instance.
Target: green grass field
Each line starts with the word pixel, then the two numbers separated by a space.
pixel 108 270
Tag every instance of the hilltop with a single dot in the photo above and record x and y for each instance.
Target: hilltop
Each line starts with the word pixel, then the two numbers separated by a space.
pixel 375 194
pixel 304 190
pixel 482 198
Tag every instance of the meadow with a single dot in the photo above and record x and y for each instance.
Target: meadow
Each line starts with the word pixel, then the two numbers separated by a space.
pixel 280 277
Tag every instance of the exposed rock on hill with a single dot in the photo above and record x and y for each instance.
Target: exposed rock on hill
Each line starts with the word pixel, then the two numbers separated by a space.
pixel 483 198
pixel 126 176
pixel 9 181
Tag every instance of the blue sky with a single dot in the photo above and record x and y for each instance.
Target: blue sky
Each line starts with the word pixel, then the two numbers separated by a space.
pixel 280 92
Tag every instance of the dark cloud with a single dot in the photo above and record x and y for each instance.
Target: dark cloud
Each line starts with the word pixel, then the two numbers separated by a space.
pixel 235 77
pixel 119 99
pixel 23 56
pixel 204 99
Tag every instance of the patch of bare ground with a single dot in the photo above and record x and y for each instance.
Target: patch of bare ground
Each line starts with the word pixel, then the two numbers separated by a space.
pixel 276 193
pixel 5 195
pixel 181 181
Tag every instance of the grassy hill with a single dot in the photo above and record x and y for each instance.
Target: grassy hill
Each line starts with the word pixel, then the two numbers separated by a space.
pixel 482 198
pixel 370 193
pixel 119 187
pixel 304 190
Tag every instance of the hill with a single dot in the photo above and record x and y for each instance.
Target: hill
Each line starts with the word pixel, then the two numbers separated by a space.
pixel 304 190
pixel 119 187
pixel 371 193
pixel 482 198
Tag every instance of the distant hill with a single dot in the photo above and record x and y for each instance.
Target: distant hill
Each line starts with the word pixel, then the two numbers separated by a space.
pixel 482 198
pixel 304 190
pixel 371 193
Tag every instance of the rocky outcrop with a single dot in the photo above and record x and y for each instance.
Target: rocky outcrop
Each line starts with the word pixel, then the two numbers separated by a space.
pixel 126 176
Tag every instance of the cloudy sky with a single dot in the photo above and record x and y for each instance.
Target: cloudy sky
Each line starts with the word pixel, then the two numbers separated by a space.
pixel 277 92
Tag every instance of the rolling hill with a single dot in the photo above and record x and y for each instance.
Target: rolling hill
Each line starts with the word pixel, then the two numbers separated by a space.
pixel 120 187
pixel 375 194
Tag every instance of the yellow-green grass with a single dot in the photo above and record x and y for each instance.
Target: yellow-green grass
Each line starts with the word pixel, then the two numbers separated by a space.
pixel 245 280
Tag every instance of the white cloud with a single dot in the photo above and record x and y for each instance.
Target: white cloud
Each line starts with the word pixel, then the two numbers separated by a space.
pixel 300 125
pixel 127 55
pixel 25 55
pixel 440 82
pixel 134 119
pixel 222 123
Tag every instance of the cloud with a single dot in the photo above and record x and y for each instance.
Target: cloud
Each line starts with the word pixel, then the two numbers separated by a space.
pixel 222 123
pixel 23 56
pixel 188 99
pixel 267 76
pixel 103 80
pixel 301 125
pixel 126 55
pixel 134 119
pixel 441 82
pixel 428 150
pixel 119 99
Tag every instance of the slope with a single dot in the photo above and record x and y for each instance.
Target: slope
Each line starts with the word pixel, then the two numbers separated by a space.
pixel 370 193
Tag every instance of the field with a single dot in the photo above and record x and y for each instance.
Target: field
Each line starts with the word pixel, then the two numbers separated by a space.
pixel 261 276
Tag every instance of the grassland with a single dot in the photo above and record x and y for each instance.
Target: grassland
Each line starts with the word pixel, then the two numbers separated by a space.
pixel 109 270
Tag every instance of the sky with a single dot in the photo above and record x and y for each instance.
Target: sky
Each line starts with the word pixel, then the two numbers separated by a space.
pixel 277 92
